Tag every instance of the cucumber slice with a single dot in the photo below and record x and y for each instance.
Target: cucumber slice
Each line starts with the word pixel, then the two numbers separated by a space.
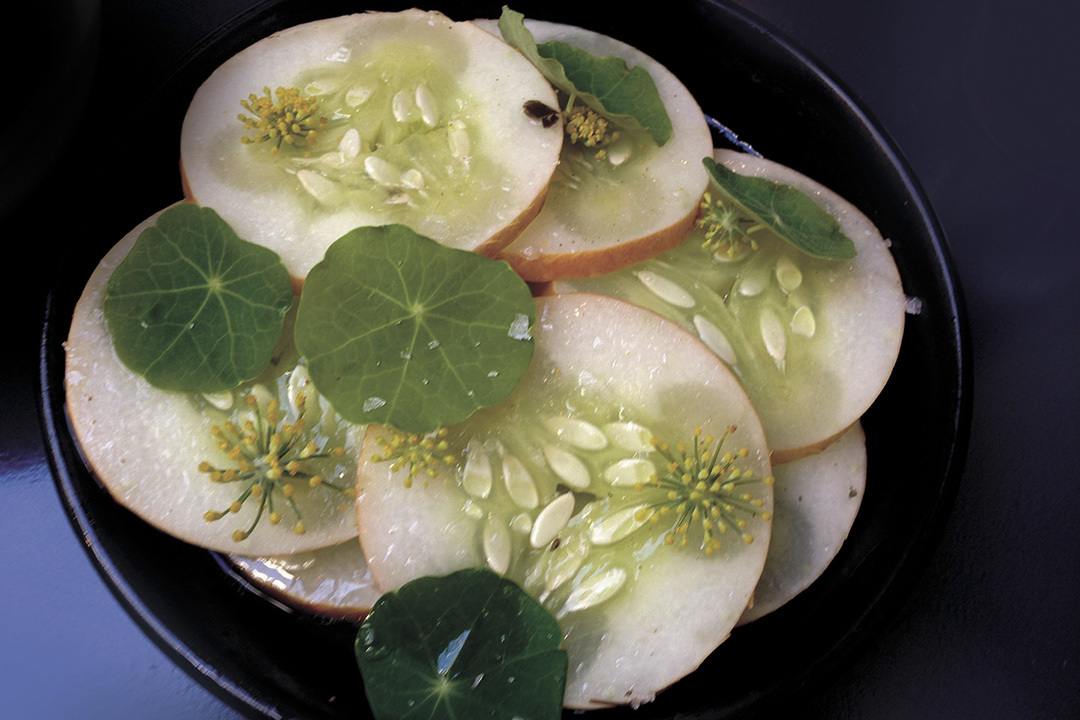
pixel 146 445
pixel 332 581
pixel 816 500
pixel 812 341
pixel 636 201
pixel 552 489
pixel 426 127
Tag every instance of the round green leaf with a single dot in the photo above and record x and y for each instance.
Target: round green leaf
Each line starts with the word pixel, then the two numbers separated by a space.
pixel 467 645
pixel 193 307
pixel 399 329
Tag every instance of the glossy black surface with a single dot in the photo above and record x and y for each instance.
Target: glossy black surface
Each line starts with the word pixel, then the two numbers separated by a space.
pixel 859 643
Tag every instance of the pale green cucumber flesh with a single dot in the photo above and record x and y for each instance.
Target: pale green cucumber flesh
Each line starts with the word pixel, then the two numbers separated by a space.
pixel 733 297
pixel 527 439
pixel 434 175
pixel 590 187
pixel 811 340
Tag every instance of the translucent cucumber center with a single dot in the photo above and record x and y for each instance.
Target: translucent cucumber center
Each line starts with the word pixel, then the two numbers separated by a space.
pixel 401 134
pixel 569 499
pixel 587 181
pixel 761 311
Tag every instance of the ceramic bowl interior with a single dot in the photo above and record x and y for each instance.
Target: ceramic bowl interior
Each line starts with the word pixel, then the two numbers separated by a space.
pixel 267 660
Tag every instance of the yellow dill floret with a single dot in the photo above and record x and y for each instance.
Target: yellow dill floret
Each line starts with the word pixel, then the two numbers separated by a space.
pixel 585 126
pixel 290 119
pixel 703 492
pixel 727 231
pixel 420 453
pixel 265 451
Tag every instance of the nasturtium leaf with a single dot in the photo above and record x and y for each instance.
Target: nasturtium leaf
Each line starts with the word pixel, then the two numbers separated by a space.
pixel 790 213
pixel 399 329
pixel 194 308
pixel 627 96
pixel 467 645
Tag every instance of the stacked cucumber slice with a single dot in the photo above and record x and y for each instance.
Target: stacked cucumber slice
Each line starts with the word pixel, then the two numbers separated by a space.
pixel 812 340
pixel 157 451
pixel 330 582
pixel 683 454
pixel 423 126
pixel 587 226
pixel 815 500
pixel 552 489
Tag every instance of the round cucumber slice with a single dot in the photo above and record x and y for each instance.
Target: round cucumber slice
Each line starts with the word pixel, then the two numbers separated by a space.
pixel 813 341
pixel 556 488
pixel 816 500
pixel 416 120
pixel 148 447
pixel 332 581
pixel 636 200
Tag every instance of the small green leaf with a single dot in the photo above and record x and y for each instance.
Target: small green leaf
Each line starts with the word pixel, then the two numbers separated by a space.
pixel 399 329
pixel 194 308
pixel 627 96
pixel 787 211
pixel 468 645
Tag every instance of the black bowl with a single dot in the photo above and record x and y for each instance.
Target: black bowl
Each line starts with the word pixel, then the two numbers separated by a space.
pixel 267 660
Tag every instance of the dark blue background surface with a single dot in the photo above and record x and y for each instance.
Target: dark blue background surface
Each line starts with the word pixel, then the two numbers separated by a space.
pixel 980 97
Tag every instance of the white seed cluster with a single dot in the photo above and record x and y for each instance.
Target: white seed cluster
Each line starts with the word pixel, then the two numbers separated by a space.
pixel 683 294
pixel 550 499
pixel 618 459
pixel 335 173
